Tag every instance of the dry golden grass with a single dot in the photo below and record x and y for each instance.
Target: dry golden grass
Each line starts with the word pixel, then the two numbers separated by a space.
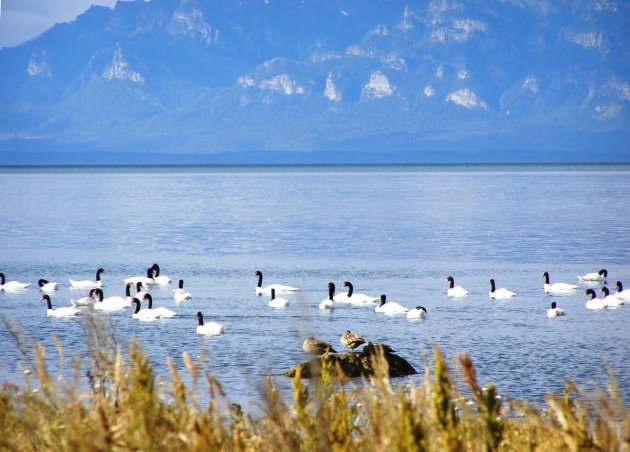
pixel 126 410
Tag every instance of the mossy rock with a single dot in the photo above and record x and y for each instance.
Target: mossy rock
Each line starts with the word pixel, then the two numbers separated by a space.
pixel 354 364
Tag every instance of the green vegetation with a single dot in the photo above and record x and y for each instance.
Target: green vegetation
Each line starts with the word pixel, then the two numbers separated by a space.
pixel 125 409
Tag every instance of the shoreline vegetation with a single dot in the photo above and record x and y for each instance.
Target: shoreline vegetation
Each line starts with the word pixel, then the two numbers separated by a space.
pixel 126 406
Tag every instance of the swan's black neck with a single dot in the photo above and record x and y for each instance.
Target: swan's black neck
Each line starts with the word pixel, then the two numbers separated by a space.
pixel 421 308
pixel 553 305
pixel 48 302
pixel 273 294
pixel 605 290
pixel 137 303
pixel 259 274
pixel 98 293
pixel 350 288
pixel 98 273
pixel 383 300
pixel 128 289
pixel 181 283
pixel 149 299
pixel 592 293
pixel 200 318
pixel 150 274
pixel 138 286
pixel 451 282
pixel 619 286
pixel 156 270
pixel 331 291
pixel 603 272
pixel 492 286
pixel 546 276
pixel 1 279
pixel 42 282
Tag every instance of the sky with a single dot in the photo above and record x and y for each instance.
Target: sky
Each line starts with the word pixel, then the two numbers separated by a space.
pixel 21 20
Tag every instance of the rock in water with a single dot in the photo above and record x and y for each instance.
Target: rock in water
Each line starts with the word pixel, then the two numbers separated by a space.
pixel 354 364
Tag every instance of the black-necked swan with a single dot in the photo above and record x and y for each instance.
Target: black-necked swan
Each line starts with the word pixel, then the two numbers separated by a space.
pixel 47 286
pixel 453 290
pixel 353 298
pixel 328 303
pixel 260 290
pixel 314 346
pixel 277 302
pixel 554 311
pixel 376 348
pixel 621 293
pixel 419 312
pixel 110 304
pixel 500 294
pixel 139 292
pixel 145 315
pixel 86 283
pixel 351 340
pixel 208 328
pixel 11 285
pixel 610 300
pixel 595 276
pixel 85 301
pixel 161 313
pixel 557 288
pixel 180 294
pixel 390 307
pixel 66 311
pixel 159 279
pixel 145 280
pixel 593 302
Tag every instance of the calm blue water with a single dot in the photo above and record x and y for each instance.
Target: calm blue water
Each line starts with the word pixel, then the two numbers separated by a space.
pixel 388 229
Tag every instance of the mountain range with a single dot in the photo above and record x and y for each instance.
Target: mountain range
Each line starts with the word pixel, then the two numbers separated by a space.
pixel 322 81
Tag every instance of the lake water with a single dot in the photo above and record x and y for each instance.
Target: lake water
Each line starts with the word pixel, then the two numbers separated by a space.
pixel 395 230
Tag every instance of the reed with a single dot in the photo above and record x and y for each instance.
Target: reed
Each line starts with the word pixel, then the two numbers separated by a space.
pixel 123 408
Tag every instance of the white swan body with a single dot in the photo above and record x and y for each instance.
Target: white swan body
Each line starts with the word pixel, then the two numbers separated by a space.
pixel 594 302
pixel 159 313
pixel 47 286
pixel 157 278
pixel 180 294
pixel 10 286
pixel 594 276
pixel 610 300
pixel 277 302
pixel 554 311
pixel 145 280
pixel 267 290
pixel 66 311
pixel 557 288
pixel 621 293
pixel 419 312
pixel 500 294
pixel 84 301
pixel 353 298
pixel 144 315
pixel 211 328
pixel 390 307
pixel 88 284
pixel 110 304
pixel 453 290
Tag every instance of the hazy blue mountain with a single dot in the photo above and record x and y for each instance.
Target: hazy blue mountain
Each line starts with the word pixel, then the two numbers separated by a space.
pixel 339 80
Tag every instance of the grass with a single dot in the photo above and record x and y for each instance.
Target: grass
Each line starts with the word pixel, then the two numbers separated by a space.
pixel 124 408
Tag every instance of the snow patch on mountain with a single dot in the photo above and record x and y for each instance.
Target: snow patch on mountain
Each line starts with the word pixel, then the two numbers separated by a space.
pixel 459 30
pixel 466 98
pixel 191 23
pixel 282 84
pixel 38 64
pixel 377 88
pixel 119 69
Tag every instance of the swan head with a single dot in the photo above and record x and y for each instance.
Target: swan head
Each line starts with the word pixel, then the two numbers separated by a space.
pixel 257 273
pixel 149 299
pixel 590 292
pixel 273 294
pixel 451 281
pixel 135 301
pixel 155 268
pixel 139 286
pixel 553 305
pixel 492 286
pixel 546 276
pixel 98 292
pixel 200 318
pixel 383 300
pixel 46 298
pixel 605 290
pixel 619 286
pixel 421 308
pixel 181 284
pixel 603 272
pixel 42 282
pixel 1 279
